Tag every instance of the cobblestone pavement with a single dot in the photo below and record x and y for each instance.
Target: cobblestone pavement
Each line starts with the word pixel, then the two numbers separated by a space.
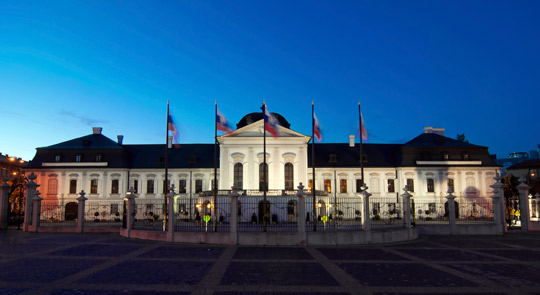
pixel 109 264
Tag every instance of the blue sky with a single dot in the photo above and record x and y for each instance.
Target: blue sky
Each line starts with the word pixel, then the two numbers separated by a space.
pixel 471 67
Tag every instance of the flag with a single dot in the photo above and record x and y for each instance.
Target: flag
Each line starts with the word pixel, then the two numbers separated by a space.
pixel 316 128
pixel 222 124
pixel 174 131
pixel 270 123
pixel 363 130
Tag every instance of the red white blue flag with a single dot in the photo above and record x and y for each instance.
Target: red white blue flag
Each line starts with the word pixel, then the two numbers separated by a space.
pixel 174 131
pixel 222 124
pixel 363 130
pixel 316 128
pixel 270 123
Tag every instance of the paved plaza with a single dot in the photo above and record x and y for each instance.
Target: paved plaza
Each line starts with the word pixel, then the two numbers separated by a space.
pixel 109 264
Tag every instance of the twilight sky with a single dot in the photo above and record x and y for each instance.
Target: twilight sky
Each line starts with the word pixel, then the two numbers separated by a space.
pixel 471 67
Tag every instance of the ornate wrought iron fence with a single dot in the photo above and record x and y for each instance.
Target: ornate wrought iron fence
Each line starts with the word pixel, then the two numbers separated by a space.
pixel 430 212
pixel 148 214
pixel 475 211
pixel 276 214
pixel 386 213
pixel 53 214
pixel 103 213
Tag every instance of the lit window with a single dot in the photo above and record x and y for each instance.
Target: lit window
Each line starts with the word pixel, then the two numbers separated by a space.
pixel 327 185
pixel 114 186
pixel 446 156
pixel 391 187
pixel 135 186
pixel 182 186
pixel 57 158
pixel 410 184
pixel 343 186
pixel 94 186
pixel 78 158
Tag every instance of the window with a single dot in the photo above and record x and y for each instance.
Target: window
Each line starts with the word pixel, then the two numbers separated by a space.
pixel 78 158
pixel 425 156
pixel 182 186
pixel 57 158
pixel 375 185
pixel 410 184
pixel 213 184
pixel 150 186
pixel 430 185
pixel 238 176
pixel 289 176
pixel 328 185
pixel 450 184
pixel 73 186
pixel 99 157
pixel 166 186
pixel 135 186
pixel 263 183
pixel 52 186
pixel 333 158
pixel 390 185
pixel 343 186
pixel 465 156
pixel 94 186
pixel 114 186
pixel 198 185
pixel 310 184
pixel 358 185
pixel 446 156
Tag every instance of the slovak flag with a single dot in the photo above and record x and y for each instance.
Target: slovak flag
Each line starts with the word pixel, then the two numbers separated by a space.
pixel 174 131
pixel 316 128
pixel 363 130
pixel 222 124
pixel 270 123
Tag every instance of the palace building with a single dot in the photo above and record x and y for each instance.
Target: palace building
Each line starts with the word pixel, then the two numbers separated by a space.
pixel 429 164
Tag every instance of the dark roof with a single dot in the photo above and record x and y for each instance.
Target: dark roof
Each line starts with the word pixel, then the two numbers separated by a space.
pixel 436 140
pixel 377 155
pixel 92 141
pixel 526 165
pixel 254 117
pixel 186 156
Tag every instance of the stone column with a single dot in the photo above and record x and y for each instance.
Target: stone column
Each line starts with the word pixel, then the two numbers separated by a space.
pixel 537 205
pixel 524 216
pixel 37 211
pixel 406 207
pixel 366 222
pixel 80 211
pixel 498 214
pixel 4 203
pixel 172 216
pixel 452 211
pixel 130 211
pixel 31 187
pixel 301 212
pixel 233 220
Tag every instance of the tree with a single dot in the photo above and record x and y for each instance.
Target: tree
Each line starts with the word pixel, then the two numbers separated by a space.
pixel 461 137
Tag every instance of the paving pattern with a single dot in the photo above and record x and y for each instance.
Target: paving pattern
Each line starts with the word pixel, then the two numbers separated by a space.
pixel 109 264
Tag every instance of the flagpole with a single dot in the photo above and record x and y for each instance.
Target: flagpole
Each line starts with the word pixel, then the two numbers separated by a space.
pixel 313 165
pixel 166 171
pixel 264 166
pixel 215 171
pixel 361 144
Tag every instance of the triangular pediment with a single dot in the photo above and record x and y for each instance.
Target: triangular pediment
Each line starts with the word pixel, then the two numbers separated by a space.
pixel 256 130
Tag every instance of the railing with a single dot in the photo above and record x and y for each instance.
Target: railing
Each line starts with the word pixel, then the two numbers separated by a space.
pixel 475 211
pixel 148 214
pixel 335 214
pixel 269 193
pixel 53 215
pixel 429 212
pixel 386 213
pixel 104 213
pixel 276 214
pixel 190 215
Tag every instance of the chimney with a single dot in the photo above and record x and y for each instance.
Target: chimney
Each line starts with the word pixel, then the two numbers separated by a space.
pixel 439 131
pixel 169 141
pixel 120 139
pixel 351 140
pixel 96 130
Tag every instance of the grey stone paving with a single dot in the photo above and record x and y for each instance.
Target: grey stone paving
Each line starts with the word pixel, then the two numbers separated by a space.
pixel 109 264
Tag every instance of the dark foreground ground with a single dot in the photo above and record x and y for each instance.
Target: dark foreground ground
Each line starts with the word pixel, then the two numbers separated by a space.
pixel 108 264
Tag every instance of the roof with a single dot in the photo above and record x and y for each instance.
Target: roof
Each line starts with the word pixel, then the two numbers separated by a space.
pixel 377 155
pixel 526 165
pixel 92 141
pixel 436 140
pixel 186 156
pixel 254 117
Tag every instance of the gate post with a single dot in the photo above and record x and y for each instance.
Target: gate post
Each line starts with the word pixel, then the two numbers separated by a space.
pixel 37 211
pixel 30 192
pixel 80 211
pixel 366 222
pixel 4 203
pixel 130 211
pixel 498 200
pixel 233 220
pixel 407 210
pixel 524 216
pixel 172 216
pixel 452 211
pixel 300 219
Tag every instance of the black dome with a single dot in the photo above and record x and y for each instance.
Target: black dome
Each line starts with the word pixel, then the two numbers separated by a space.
pixel 254 117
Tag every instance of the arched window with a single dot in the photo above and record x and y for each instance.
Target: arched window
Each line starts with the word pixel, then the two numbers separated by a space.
pixel 263 170
pixel 289 176
pixel 238 176
pixel 52 186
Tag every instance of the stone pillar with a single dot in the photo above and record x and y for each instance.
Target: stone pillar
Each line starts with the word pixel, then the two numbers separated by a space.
pixel 80 211
pixel 406 207
pixel 524 216
pixel 498 214
pixel 537 205
pixel 452 211
pixel 130 211
pixel 171 220
pixel 233 220
pixel 301 214
pixel 37 211
pixel 31 187
pixel 498 189
pixel 4 203
pixel 366 222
